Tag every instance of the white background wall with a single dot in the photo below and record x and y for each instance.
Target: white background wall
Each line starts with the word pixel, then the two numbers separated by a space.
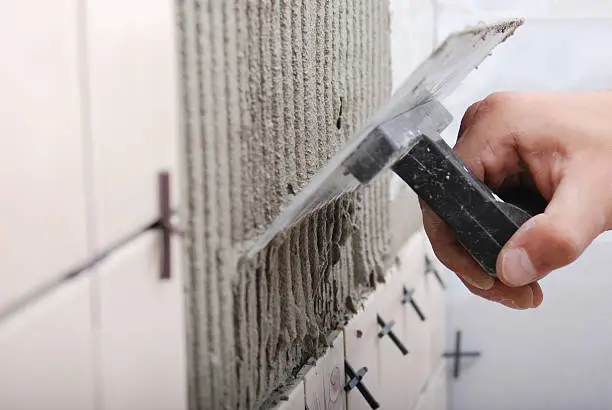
pixel 88 117
pixel 558 356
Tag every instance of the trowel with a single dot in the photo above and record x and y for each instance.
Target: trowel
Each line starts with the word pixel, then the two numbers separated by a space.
pixel 404 136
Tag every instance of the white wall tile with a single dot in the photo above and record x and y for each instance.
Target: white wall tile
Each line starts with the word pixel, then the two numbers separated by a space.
pixel 434 396
pixel 412 36
pixel 324 381
pixel 404 377
pixel 42 212
pixel 581 9
pixel 418 335
pixel 142 329
pixel 314 380
pixel 294 400
pixel 134 114
pixel 46 352
pixel 394 367
pixel 363 348
pixel 564 344
pixel 411 259
pixel 436 301
pixel 457 14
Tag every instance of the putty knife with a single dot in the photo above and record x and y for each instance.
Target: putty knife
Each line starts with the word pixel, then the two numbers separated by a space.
pixel 405 136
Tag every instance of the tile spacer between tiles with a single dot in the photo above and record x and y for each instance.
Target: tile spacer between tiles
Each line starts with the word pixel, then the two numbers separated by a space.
pixel 165 224
pixel 408 297
pixel 356 380
pixel 430 269
pixel 458 354
pixel 386 330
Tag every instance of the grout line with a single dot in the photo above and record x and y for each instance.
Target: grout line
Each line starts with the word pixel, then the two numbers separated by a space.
pixel 80 270
pixel 90 208
pixel 435 23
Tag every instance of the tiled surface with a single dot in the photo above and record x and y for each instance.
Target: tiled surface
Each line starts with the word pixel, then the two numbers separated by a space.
pixel 363 349
pixel 565 343
pixel 294 400
pixel 403 377
pixel 410 20
pixel 435 396
pixel 457 14
pixel 134 98
pixel 45 352
pixel 141 331
pixel 417 331
pixel 394 379
pixel 436 301
pixel 324 381
pixel 394 366
pixel 42 211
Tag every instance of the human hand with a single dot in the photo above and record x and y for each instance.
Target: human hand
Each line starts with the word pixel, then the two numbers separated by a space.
pixel 557 143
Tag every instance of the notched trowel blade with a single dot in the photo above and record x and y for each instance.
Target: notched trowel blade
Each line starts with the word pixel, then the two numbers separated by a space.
pixel 368 153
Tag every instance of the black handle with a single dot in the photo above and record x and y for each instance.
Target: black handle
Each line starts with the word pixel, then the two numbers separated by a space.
pixel 482 221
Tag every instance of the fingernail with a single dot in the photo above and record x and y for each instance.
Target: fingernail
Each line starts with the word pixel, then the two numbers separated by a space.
pixel 517 268
pixel 509 303
pixel 512 304
pixel 484 284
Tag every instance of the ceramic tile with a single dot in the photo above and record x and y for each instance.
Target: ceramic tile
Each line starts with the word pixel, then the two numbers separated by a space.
pixel 417 334
pixel 294 400
pixel 411 258
pixel 42 212
pixel 324 381
pixel 412 36
pixel 134 110
pixel 314 380
pixel 434 396
pixel 363 349
pixel 394 364
pixel 46 352
pixel 456 14
pixel 436 305
pixel 142 330
pixel 405 376
pixel 581 9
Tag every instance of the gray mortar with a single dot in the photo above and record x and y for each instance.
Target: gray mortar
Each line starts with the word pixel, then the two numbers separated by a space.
pixel 263 83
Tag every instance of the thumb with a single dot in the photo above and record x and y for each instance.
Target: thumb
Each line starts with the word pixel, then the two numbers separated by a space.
pixel 575 216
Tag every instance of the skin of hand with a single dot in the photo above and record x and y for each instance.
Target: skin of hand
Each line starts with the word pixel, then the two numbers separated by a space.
pixel 557 143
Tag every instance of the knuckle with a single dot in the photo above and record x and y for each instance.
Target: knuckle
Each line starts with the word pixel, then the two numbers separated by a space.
pixel 497 100
pixel 472 110
pixel 554 246
pixel 569 247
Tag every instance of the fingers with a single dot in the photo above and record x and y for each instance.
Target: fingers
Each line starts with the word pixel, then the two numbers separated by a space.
pixel 488 144
pixel 451 254
pixel 468 118
pixel 455 258
pixel 525 297
pixel 575 216
pixel 504 144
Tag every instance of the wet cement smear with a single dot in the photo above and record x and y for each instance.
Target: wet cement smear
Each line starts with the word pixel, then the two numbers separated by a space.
pixel 271 90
